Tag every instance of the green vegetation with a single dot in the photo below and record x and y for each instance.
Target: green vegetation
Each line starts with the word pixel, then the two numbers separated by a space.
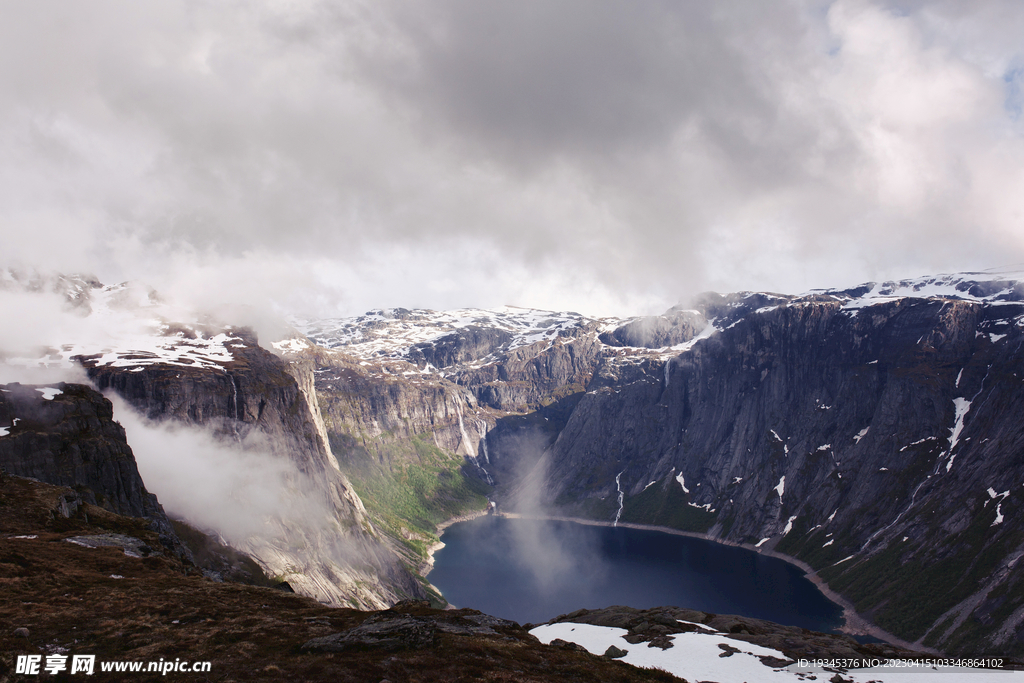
pixel 665 504
pixel 423 487
pixel 908 588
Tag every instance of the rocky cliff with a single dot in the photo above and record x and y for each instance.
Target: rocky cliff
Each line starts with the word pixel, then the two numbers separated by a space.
pixel 409 399
pixel 65 434
pixel 869 436
pixel 253 399
pixel 863 431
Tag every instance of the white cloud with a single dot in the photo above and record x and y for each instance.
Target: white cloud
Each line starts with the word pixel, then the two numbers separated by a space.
pixel 349 155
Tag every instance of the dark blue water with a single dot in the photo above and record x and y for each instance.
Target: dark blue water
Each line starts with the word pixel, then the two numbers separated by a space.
pixel 534 570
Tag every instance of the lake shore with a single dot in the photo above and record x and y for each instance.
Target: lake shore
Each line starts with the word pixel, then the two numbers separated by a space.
pixel 427 565
pixel 854 623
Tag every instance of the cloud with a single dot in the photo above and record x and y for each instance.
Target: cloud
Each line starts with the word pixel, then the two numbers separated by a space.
pixel 233 490
pixel 564 154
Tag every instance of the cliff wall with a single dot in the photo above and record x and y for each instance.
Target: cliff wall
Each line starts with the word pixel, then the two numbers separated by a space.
pixel 65 434
pixel 334 554
pixel 873 443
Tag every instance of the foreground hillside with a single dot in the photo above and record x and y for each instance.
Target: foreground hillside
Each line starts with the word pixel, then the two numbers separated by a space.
pixel 79 580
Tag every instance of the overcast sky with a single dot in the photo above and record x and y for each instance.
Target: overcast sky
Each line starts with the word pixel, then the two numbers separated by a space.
pixel 605 156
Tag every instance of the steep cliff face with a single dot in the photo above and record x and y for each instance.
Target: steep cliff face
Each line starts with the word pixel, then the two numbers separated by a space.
pixel 530 376
pixel 399 387
pixel 863 431
pixel 333 554
pixel 408 399
pixel 65 434
pixel 510 359
pixel 868 437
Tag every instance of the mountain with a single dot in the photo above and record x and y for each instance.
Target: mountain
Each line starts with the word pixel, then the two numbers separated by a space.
pixel 216 380
pixel 866 432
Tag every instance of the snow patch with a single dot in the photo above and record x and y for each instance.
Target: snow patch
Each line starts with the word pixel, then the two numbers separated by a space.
pixel 761 542
pixel 694 656
pixel 50 392
pixel 682 482
pixel 789 525
pixel 290 345
pixel 962 405
pixel 780 488
pixel 860 435
pixel 918 442
pixel 694 623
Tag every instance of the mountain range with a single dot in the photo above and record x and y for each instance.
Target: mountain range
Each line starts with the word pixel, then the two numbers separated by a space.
pixel 871 434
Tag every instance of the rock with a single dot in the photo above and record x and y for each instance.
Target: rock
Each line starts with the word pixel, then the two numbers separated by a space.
pixel 566 645
pixel 72 440
pixel 390 635
pixel 674 327
pixel 21 632
pixel 614 653
pixel 815 426
pixel 262 397
pixel 131 546
pixel 664 642
pixel 727 650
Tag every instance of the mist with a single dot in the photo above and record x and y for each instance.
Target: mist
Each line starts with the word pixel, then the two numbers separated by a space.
pixel 230 489
pixel 553 555
pixel 330 158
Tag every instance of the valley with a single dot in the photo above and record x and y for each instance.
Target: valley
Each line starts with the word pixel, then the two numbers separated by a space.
pixel 868 434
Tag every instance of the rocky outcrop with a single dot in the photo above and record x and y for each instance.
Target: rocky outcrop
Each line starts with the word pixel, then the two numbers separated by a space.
pixel 532 375
pixel 332 553
pixel 65 434
pixel 657 625
pixel 378 414
pixel 676 326
pixel 468 344
pixel 871 442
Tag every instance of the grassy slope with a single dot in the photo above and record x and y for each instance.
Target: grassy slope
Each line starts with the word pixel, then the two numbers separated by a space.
pixel 414 490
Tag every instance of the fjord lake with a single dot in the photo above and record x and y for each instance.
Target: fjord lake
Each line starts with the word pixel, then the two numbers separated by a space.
pixel 531 570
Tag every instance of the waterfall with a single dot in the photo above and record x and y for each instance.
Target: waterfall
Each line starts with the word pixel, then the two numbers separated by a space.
pixel 483 442
pixel 469 447
pixel 234 408
pixel 618 486
pixel 234 397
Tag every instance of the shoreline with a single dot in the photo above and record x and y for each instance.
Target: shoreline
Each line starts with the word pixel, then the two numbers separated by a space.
pixel 854 624
pixel 427 565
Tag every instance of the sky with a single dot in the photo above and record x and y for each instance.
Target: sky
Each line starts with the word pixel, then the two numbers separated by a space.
pixel 612 158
